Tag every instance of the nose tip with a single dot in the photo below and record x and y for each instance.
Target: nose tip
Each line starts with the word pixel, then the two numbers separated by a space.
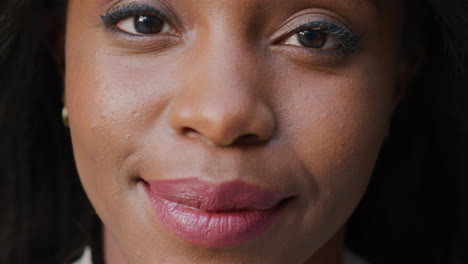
pixel 221 125
pixel 223 97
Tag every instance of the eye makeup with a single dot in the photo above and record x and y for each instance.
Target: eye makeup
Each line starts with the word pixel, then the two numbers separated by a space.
pixel 345 40
pixel 348 42
pixel 116 14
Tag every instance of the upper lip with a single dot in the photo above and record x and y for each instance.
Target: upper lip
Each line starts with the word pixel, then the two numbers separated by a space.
pixel 228 196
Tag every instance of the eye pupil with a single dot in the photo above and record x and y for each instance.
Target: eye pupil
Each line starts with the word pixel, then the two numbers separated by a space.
pixel 148 24
pixel 312 39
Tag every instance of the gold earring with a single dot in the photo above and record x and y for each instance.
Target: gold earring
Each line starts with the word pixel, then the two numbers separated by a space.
pixel 65 117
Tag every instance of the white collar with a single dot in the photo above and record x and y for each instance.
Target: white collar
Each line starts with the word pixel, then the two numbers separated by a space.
pixel 85 258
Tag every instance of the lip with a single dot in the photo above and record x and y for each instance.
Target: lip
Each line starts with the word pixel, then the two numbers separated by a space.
pixel 212 215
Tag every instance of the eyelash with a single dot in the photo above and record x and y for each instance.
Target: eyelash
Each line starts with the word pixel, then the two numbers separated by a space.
pixel 347 40
pixel 117 14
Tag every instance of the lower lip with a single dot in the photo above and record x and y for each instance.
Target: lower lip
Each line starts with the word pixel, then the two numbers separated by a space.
pixel 212 229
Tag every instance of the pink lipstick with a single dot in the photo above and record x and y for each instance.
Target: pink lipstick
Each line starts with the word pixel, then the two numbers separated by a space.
pixel 214 215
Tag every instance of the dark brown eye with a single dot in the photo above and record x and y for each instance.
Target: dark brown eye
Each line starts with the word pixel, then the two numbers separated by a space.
pixel 148 25
pixel 143 25
pixel 312 39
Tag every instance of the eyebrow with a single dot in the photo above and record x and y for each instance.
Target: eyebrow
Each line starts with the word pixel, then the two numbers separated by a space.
pixel 374 3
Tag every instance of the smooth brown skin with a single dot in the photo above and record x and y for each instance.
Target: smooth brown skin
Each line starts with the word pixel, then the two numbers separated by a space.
pixel 178 106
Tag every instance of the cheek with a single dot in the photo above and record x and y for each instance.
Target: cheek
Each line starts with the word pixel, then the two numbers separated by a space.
pixel 335 125
pixel 342 121
pixel 112 102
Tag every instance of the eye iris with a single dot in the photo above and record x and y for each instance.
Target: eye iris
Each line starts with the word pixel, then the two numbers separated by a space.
pixel 148 24
pixel 312 39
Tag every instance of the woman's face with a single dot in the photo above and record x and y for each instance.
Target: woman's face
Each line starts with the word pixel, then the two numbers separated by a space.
pixel 229 131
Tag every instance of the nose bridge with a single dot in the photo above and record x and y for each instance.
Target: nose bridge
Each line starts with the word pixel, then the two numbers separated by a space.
pixel 221 97
pixel 225 54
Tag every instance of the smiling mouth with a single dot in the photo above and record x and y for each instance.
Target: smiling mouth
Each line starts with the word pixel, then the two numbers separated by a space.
pixel 214 215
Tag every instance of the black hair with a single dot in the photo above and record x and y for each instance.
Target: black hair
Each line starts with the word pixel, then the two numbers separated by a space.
pixel 45 215
pixel 414 211
pixel 416 207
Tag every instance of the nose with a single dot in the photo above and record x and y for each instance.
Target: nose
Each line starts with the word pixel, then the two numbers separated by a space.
pixel 222 100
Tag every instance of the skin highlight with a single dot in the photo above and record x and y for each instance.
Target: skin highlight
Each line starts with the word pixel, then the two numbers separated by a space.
pixel 219 101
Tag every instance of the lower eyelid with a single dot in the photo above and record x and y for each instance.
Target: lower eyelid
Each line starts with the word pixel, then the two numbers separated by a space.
pixel 310 58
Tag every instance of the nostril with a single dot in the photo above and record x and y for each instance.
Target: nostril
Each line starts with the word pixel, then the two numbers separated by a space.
pixel 248 139
pixel 189 131
pixel 244 139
